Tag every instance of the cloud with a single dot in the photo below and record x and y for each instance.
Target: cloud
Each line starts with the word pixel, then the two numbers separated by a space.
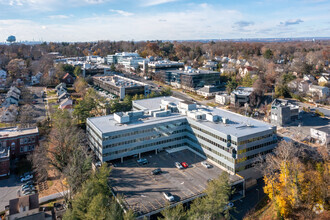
pixel 291 22
pixel 121 12
pixel 156 2
pixel 59 16
pixel 241 25
pixel 162 20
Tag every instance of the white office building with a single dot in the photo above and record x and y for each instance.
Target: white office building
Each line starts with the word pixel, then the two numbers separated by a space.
pixel 231 140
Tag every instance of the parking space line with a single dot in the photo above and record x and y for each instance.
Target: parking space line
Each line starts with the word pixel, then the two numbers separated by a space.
pixel 165 200
pixel 144 207
pixel 196 189
pixel 159 203
pixel 184 193
pixel 152 205
pixel 191 191
pixel 202 187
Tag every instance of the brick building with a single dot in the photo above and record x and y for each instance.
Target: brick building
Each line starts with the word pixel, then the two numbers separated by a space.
pixel 16 142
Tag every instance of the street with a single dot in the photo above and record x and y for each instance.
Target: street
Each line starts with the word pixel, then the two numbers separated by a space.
pixel 325 111
pixel 252 197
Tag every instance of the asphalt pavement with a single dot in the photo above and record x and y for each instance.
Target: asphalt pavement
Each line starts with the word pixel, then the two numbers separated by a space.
pixel 8 190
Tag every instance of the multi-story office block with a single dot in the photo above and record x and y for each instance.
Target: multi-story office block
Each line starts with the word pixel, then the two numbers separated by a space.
pixel 121 86
pixel 231 140
pixel 283 112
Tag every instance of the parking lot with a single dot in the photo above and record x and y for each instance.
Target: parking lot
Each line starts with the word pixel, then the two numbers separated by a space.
pixel 142 191
pixel 8 190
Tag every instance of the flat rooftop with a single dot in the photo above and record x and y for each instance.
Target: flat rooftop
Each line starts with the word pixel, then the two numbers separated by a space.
pixel 142 191
pixel 119 81
pixel 14 132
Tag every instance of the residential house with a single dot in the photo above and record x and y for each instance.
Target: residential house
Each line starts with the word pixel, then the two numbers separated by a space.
pixel 243 71
pixel 26 208
pixel 321 134
pixel 320 91
pixel 223 99
pixel 303 86
pixel 12 97
pixel 8 114
pixel 208 91
pixel 68 79
pixel 36 78
pixel 63 96
pixel 3 77
pixel 66 104
pixel 4 161
pixel 210 65
pixel 309 77
pixel 60 89
pixel 323 80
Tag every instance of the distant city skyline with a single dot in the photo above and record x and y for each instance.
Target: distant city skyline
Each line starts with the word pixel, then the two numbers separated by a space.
pixel 92 20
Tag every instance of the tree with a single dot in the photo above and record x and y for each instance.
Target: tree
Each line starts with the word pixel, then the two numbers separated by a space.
pixel 95 200
pixel 64 138
pixel 89 106
pixel 17 68
pixel 77 71
pixel 268 54
pixel 78 169
pixel 175 213
pixel 80 85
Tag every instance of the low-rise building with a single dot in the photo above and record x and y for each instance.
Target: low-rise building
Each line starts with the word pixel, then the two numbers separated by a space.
pixel 68 79
pixel 121 86
pixel 320 91
pixel 8 114
pixel 283 112
pixel 208 91
pixel 324 80
pixel 16 142
pixel 189 78
pixel 66 104
pixel 3 77
pixel 12 97
pixel 156 66
pixel 223 99
pixel 240 96
pixel 321 134
pixel 229 139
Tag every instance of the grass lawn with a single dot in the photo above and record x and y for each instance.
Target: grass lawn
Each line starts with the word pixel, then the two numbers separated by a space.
pixel 51 93
pixel 55 106
pixel 212 104
pixel 52 101
pixel 3 125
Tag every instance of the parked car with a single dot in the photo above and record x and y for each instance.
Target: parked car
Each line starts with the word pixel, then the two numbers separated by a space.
pixel 168 196
pixel 178 165
pixel 32 188
pixel 184 164
pixel 156 171
pixel 205 164
pixel 29 193
pixel 26 178
pixel 142 161
pixel 26 186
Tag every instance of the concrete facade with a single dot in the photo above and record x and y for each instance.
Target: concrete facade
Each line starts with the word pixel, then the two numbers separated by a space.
pixel 283 112
pixel 230 140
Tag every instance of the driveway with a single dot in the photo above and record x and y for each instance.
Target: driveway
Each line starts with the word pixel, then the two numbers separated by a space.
pixel 8 190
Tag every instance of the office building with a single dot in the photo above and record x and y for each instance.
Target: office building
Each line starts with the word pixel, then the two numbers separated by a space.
pixel 189 78
pixel 121 86
pixel 283 112
pixel 229 139
pixel 156 66
pixel 240 96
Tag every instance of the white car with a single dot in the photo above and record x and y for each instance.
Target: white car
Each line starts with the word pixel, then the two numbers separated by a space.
pixel 168 196
pixel 26 178
pixel 205 164
pixel 178 165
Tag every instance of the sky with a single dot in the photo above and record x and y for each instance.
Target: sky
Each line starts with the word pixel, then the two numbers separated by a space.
pixel 93 20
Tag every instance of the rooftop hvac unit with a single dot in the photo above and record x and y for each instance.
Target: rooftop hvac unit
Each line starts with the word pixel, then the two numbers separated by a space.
pixel 225 120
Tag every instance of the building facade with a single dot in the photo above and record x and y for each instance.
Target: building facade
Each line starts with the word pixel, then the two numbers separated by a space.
pixel 229 139
pixel 190 79
pixel 121 86
pixel 283 112
pixel 15 142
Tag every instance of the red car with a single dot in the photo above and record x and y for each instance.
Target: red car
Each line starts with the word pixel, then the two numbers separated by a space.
pixel 184 164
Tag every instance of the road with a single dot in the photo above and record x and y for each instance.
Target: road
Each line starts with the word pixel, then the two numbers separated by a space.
pixel 8 190
pixel 325 111
pixel 252 197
